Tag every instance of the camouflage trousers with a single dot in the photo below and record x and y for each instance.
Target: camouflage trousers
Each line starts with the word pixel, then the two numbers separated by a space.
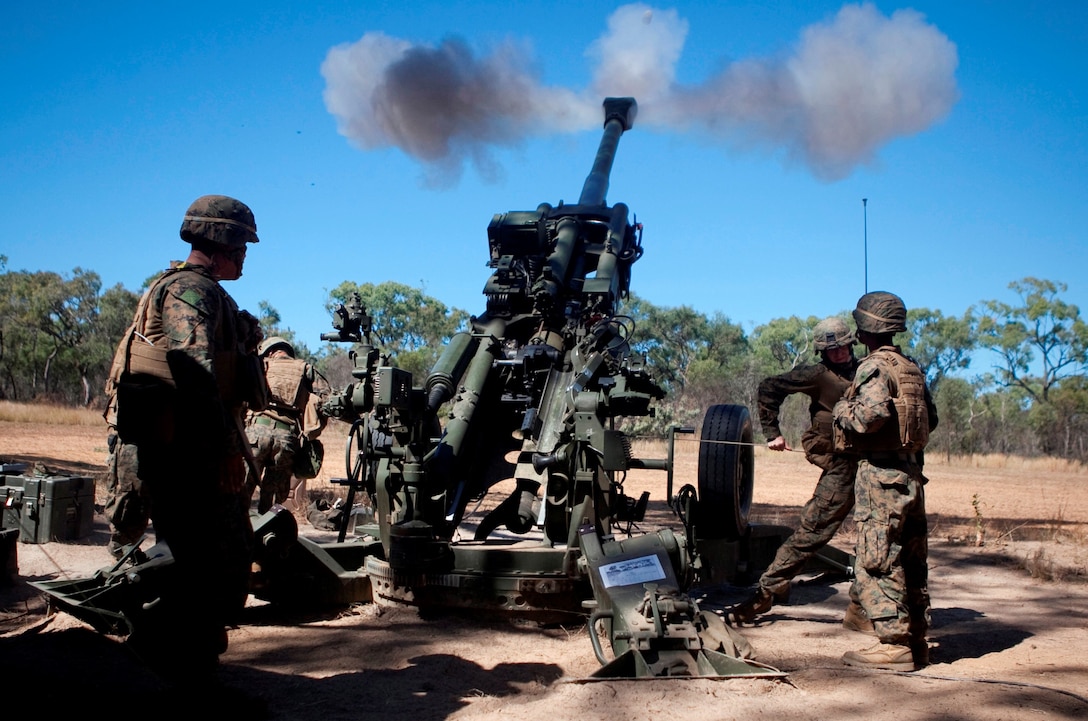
pixel 194 498
pixel 891 568
pixel 274 452
pixel 128 502
pixel 820 519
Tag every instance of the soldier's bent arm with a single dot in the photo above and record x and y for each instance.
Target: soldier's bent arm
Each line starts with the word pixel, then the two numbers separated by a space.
pixel 774 390
pixel 870 405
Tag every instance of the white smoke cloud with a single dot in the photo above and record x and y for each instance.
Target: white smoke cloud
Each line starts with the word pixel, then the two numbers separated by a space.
pixel 637 56
pixel 852 85
pixel 849 86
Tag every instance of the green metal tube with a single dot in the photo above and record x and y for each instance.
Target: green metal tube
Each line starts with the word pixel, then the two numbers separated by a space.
pixel 472 387
pixel 449 368
pixel 619 116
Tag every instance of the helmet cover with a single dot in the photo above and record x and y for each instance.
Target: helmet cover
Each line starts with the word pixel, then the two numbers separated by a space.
pixel 881 312
pixel 270 344
pixel 219 219
pixel 832 333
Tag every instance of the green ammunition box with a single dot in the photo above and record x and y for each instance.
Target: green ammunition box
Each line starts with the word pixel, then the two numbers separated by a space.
pixel 11 495
pixel 48 508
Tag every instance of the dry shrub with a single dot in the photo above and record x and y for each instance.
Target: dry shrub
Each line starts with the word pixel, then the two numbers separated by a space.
pixel 1039 565
pixel 1058 552
pixel 1043 566
pixel 998 461
pixel 49 414
pixel 654 447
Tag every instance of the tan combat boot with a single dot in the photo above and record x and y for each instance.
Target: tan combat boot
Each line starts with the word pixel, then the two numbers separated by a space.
pixel 756 606
pixel 883 655
pixel 855 619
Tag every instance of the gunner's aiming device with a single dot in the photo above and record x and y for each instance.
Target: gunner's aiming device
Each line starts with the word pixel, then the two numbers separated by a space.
pixel 530 400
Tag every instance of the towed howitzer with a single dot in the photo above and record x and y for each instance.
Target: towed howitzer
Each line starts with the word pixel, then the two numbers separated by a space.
pixel 541 373
pixel 534 393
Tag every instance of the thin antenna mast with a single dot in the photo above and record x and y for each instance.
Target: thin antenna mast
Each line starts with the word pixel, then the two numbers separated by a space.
pixel 865 222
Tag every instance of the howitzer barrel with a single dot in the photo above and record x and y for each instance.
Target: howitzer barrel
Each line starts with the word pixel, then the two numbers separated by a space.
pixel 619 116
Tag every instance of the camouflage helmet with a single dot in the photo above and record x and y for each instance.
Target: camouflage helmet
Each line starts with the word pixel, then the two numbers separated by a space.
pixel 270 344
pixel 881 312
pixel 219 219
pixel 832 333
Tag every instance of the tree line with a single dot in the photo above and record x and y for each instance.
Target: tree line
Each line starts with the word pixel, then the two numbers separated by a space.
pixel 58 334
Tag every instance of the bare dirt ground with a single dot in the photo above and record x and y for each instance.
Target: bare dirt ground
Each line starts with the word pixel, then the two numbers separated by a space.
pixel 1010 623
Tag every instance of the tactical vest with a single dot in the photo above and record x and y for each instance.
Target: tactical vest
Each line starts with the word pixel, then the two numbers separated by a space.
pixel 141 374
pixel 142 350
pixel 830 388
pixel 908 432
pixel 285 384
pixel 140 357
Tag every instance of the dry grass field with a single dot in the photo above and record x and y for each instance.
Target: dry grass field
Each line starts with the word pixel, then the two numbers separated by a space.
pixel 1037 509
pixel 1008 565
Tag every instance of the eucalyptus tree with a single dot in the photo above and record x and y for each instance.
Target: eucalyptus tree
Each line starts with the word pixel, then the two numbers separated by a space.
pixel 1040 341
pixel 47 322
pixel 408 324
pixel 272 326
pixel 940 344
pixel 783 343
pixel 698 360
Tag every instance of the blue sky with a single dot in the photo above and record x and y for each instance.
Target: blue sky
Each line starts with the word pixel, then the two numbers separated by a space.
pixel 117 115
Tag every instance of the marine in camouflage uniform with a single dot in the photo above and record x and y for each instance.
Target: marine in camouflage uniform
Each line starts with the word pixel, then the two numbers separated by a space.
pixel 296 392
pixel 824 383
pixel 886 417
pixel 181 379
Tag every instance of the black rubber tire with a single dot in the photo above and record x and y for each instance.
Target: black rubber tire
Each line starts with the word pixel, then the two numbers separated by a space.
pixel 726 473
